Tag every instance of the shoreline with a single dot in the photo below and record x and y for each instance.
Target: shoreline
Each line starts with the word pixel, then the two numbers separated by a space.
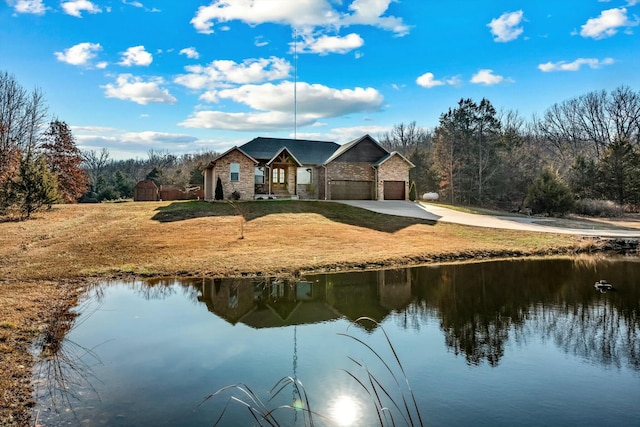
pixel 45 263
pixel 61 297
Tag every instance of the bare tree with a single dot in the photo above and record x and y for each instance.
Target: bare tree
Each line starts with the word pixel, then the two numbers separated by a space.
pixel 22 116
pixel 95 163
pixel 404 138
pixel 586 125
pixel 623 108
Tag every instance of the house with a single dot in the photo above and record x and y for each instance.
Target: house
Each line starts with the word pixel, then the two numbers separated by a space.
pixel 276 168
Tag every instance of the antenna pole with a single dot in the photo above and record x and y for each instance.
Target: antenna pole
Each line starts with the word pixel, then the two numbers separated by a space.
pixel 295 83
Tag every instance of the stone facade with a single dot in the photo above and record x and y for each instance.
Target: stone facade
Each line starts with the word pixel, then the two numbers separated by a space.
pixel 245 183
pixel 311 190
pixel 394 169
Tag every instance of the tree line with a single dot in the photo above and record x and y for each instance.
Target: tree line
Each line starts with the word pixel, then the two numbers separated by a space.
pixel 111 179
pixel 582 154
pixel 41 164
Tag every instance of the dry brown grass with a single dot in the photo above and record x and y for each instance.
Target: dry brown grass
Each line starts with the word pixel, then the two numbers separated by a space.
pixel 196 238
pixel 74 242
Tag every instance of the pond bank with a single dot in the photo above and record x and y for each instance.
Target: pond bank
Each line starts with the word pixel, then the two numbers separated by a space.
pixel 33 309
pixel 45 262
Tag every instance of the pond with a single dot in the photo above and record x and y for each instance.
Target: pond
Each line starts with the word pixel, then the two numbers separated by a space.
pixel 515 342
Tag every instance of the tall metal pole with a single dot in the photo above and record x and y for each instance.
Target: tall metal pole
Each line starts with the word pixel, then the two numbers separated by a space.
pixel 295 83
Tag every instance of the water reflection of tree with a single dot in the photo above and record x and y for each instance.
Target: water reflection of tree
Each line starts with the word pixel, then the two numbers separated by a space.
pixel 63 373
pixel 482 306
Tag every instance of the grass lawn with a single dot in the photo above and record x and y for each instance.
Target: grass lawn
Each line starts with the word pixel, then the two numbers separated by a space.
pixel 45 261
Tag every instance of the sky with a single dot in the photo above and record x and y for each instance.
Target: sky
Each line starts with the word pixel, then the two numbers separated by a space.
pixel 188 76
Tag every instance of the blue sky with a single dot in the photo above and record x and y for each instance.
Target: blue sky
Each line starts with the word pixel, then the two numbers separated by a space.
pixel 186 76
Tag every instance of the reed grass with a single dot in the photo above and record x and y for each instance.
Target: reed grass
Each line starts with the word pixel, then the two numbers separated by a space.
pixel 394 404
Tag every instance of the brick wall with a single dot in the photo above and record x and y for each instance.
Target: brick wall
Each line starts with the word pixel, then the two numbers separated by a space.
pixel 394 169
pixel 350 171
pixel 222 169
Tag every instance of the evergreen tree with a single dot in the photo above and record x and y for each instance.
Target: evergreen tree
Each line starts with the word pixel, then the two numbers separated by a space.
pixel 412 192
pixel 583 178
pixel 466 142
pixel 547 194
pixel 37 186
pixel 219 194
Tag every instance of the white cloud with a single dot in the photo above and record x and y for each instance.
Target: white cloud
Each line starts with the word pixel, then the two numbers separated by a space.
pixel 295 13
pixel 128 87
pixel 370 12
pixel 76 7
pixel 454 81
pixel 607 24
pixel 314 99
pixel 190 52
pixel 506 27
pixel 298 14
pixel 486 77
pixel 161 137
pixel 223 72
pixel 273 106
pixel 210 96
pixel 126 145
pixel 80 54
pixel 35 7
pixel 259 42
pixel 136 55
pixel 273 120
pixel 575 65
pixel 330 44
pixel 428 80
pixel 133 3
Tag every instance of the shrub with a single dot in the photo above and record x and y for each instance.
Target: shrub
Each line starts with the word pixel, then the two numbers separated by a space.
pixel 548 194
pixel 600 208
pixel 219 194
pixel 235 195
pixel 412 192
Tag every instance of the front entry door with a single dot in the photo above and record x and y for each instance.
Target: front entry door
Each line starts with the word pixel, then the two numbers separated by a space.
pixel 278 178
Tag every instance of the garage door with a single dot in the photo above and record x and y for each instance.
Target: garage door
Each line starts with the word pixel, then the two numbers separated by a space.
pixel 394 190
pixel 351 190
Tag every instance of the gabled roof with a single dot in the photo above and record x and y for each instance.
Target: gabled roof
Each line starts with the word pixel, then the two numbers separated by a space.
pixel 390 155
pixel 213 162
pixel 349 145
pixel 306 151
pixel 290 155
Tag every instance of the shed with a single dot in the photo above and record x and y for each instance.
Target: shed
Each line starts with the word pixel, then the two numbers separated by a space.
pixel 145 191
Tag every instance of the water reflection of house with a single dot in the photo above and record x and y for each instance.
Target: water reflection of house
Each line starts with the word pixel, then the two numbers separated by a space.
pixel 230 299
pixel 267 303
pixel 395 288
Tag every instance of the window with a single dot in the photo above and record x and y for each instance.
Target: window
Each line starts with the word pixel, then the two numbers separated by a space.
pixel 304 175
pixel 235 171
pixel 278 175
pixel 258 174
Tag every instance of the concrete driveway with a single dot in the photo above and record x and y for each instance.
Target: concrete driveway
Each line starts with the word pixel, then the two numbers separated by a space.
pixel 439 213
